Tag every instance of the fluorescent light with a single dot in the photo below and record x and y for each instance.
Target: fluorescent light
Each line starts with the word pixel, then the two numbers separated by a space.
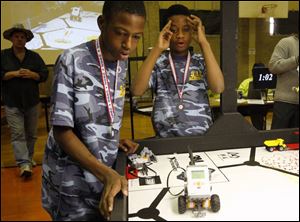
pixel 271 25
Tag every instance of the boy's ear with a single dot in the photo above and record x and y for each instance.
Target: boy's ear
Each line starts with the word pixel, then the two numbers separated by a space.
pixel 100 22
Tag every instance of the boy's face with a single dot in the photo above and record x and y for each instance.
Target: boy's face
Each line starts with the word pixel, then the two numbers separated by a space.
pixel 121 34
pixel 182 34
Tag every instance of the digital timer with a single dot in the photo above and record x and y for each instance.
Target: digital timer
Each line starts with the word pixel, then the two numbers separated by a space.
pixel 263 78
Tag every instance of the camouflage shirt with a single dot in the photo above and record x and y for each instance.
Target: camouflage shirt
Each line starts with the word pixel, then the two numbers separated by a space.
pixel 78 101
pixel 167 119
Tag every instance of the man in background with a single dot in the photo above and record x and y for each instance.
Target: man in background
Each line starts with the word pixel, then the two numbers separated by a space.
pixel 283 63
pixel 21 72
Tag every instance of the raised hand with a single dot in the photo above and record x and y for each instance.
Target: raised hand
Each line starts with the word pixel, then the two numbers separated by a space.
pixel 197 27
pixel 165 36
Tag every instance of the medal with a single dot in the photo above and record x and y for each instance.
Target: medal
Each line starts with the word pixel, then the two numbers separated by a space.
pixel 180 91
pixel 111 131
pixel 180 107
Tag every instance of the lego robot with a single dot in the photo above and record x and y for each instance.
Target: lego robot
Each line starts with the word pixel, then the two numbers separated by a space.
pixel 197 192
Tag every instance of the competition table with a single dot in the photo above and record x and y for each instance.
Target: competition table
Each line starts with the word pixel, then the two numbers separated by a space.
pixel 252 183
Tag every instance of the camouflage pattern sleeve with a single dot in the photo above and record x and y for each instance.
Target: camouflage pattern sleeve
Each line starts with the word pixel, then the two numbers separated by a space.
pixel 62 98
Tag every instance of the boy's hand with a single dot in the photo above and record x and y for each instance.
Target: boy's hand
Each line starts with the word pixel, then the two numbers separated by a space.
pixel 128 146
pixel 113 183
pixel 164 37
pixel 197 28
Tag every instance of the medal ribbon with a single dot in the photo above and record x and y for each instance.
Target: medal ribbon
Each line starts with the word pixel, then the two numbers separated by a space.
pixel 109 102
pixel 187 65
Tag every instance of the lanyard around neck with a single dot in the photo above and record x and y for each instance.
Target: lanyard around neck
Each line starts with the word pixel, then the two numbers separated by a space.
pixel 187 65
pixel 108 97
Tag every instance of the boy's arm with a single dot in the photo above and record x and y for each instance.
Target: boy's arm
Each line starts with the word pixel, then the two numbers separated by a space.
pixel 141 81
pixel 214 74
pixel 112 181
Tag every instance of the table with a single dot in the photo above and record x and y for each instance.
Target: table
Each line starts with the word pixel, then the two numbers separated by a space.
pixel 248 107
pixel 252 183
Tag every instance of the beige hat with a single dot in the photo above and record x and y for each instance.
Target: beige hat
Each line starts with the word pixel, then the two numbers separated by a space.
pixel 18 28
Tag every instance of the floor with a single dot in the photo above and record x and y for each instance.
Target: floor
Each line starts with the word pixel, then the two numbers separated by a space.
pixel 21 199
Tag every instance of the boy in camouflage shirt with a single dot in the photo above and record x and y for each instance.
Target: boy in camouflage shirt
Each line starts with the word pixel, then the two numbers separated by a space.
pixel 179 78
pixel 87 107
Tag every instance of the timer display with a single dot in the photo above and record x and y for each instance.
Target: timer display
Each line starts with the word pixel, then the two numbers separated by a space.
pixel 263 79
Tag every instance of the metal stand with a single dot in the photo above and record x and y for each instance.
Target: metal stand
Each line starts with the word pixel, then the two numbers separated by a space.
pixel 139 58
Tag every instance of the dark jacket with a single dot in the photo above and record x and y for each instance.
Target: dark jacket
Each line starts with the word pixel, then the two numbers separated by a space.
pixel 19 92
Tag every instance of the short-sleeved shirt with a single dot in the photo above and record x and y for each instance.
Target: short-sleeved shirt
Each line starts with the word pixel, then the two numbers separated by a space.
pixel 78 101
pixel 167 119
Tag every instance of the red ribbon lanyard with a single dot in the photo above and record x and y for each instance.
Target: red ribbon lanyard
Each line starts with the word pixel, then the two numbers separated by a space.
pixel 180 91
pixel 109 102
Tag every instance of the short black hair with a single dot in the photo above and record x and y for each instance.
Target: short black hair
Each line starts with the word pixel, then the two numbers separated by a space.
pixel 176 9
pixel 111 8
